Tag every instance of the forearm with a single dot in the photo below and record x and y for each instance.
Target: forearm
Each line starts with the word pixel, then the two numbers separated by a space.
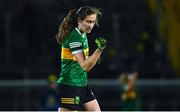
pixel 90 62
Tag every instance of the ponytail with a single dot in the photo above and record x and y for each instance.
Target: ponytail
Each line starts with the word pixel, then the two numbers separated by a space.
pixel 69 22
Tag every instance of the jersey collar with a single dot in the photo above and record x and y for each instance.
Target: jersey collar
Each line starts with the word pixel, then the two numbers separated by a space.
pixel 80 32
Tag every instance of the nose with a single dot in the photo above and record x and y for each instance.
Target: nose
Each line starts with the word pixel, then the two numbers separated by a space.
pixel 91 25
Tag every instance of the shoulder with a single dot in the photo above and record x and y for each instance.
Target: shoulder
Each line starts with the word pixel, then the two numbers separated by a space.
pixel 74 36
pixel 74 39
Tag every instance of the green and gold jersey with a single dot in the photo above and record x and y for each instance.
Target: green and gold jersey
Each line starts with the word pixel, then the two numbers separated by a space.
pixel 130 99
pixel 71 72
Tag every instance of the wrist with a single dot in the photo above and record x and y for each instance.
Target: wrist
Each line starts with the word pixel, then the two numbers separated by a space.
pixel 99 50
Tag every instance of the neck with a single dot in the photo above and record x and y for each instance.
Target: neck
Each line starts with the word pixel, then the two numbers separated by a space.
pixel 82 33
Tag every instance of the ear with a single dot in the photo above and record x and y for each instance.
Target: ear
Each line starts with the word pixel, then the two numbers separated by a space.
pixel 79 20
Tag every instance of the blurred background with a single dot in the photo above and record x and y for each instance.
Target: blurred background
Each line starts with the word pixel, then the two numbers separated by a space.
pixel 142 35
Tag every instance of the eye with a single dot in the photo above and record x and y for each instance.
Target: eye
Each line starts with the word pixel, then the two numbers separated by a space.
pixel 90 21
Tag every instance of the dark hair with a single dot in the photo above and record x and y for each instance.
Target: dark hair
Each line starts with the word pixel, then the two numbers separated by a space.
pixel 70 21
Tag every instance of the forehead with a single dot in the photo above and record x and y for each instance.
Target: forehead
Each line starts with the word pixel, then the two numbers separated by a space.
pixel 91 17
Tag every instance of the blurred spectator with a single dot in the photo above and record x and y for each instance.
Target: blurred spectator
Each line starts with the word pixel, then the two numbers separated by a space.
pixel 51 97
pixel 129 96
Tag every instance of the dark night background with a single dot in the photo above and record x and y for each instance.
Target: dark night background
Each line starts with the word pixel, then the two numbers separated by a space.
pixel 142 35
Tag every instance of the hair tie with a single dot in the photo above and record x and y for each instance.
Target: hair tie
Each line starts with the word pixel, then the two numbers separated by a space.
pixel 78 10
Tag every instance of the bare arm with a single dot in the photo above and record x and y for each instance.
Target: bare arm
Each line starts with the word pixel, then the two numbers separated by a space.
pixel 87 64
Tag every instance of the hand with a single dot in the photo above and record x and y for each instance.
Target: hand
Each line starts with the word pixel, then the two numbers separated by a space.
pixel 101 43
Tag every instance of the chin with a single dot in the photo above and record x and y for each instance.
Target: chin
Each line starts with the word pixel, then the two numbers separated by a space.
pixel 89 31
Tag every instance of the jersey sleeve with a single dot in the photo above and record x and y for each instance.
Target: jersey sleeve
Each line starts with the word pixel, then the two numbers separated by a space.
pixel 75 44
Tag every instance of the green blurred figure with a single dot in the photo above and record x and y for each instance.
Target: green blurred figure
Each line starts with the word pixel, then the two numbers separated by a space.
pixel 129 96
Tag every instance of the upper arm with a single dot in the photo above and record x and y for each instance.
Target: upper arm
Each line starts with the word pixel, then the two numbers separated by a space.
pixel 80 57
pixel 76 47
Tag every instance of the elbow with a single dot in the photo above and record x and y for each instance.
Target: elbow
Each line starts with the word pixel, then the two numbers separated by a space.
pixel 87 69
